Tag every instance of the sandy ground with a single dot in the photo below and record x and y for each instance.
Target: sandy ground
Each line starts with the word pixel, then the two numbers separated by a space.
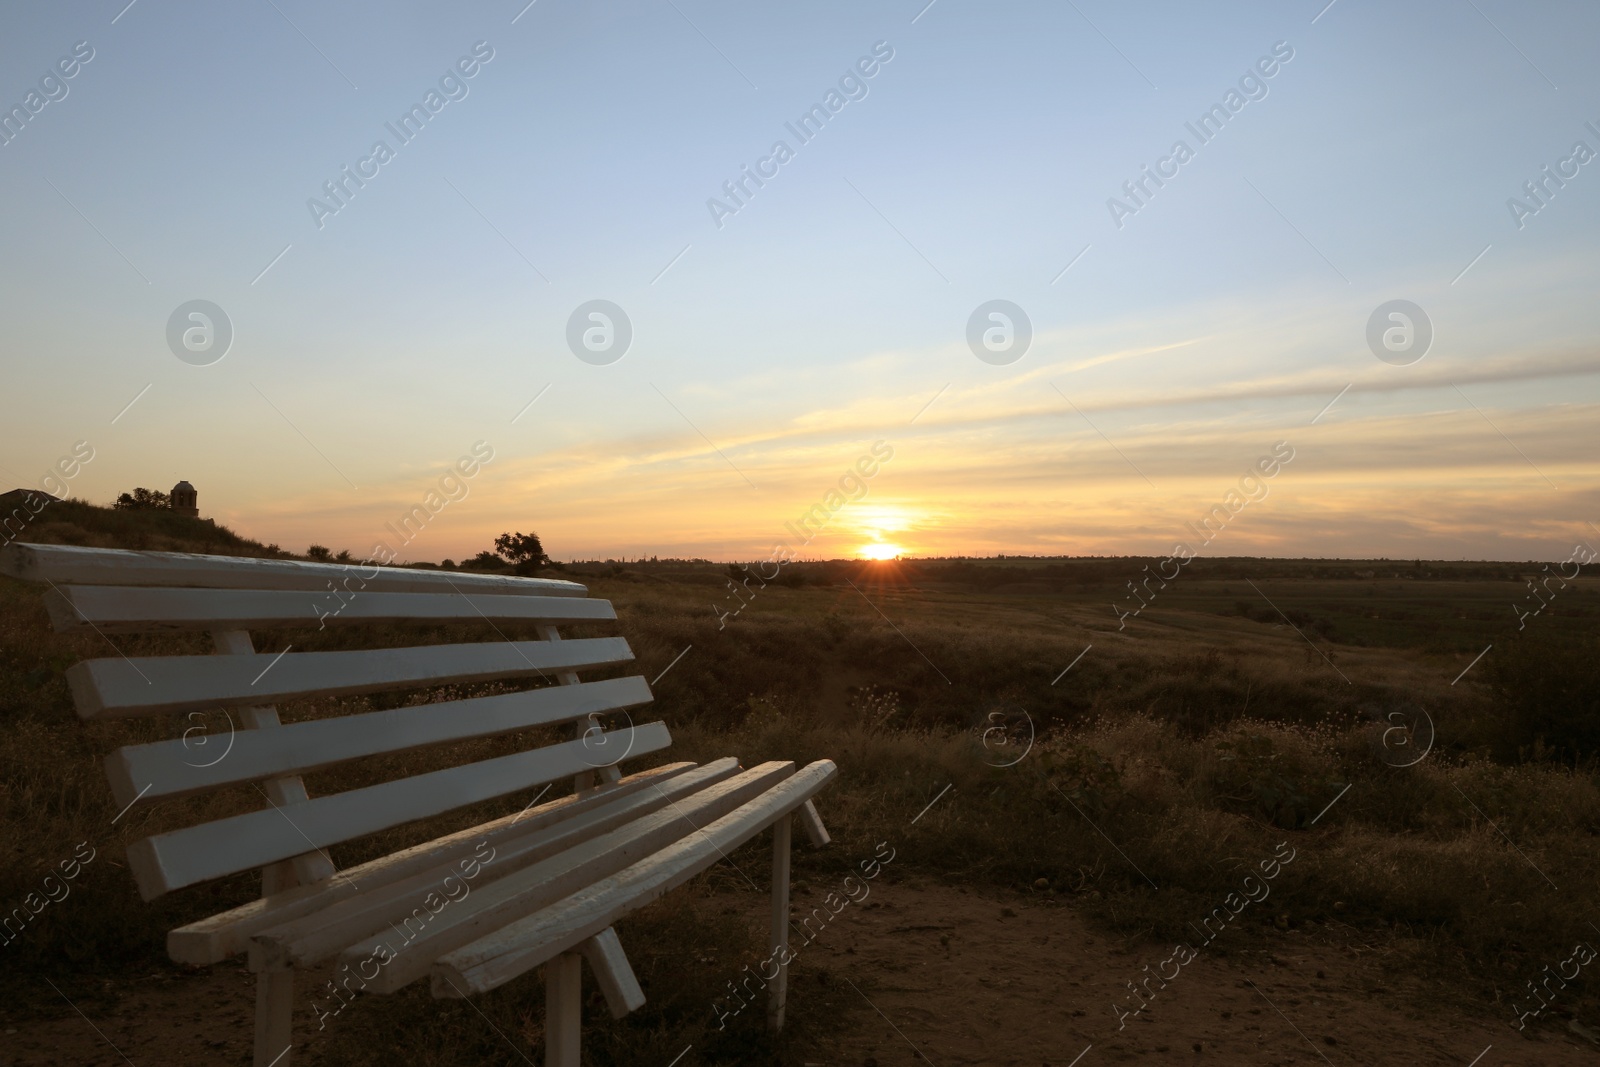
pixel 968 978
pixel 954 977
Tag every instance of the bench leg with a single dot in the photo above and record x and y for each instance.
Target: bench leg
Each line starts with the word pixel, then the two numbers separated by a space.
pixel 274 1017
pixel 777 988
pixel 812 822
pixel 563 1010
pixel 612 972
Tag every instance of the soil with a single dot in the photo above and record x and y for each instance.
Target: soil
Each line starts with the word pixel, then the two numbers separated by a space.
pixel 949 977
pixel 959 977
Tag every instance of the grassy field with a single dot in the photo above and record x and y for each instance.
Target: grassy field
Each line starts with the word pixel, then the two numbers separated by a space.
pixel 1137 786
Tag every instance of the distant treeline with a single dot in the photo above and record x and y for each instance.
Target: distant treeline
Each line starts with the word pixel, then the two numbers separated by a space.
pixel 1055 574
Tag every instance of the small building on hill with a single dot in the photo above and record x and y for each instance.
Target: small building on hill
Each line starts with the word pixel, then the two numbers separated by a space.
pixel 185 501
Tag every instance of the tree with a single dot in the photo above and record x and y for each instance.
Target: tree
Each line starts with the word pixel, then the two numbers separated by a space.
pixel 320 552
pixel 142 499
pixel 523 550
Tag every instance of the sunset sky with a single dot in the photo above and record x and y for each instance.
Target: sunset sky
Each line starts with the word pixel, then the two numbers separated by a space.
pixel 773 346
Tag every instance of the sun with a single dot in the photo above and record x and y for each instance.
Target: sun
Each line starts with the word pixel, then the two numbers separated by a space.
pixel 880 551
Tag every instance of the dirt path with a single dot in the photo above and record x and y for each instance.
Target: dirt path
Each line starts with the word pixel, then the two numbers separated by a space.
pixel 967 978
pixel 950 977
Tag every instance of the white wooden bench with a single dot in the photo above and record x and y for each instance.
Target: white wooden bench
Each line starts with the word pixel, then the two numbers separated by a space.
pixel 471 910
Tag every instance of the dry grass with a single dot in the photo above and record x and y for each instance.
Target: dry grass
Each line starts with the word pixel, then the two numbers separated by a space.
pixel 1173 755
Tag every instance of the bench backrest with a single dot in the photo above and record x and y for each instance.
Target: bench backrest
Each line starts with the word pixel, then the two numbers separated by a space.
pixel 111 591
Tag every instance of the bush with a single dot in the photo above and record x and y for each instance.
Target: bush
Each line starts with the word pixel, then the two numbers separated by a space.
pixel 1546 686
pixel 1254 777
pixel 142 499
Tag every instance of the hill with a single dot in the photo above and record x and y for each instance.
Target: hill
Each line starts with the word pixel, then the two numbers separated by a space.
pixel 78 522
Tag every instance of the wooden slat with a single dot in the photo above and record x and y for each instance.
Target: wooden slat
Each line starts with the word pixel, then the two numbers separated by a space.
pixel 161 769
pixel 225 846
pixel 132 609
pixel 73 565
pixel 216 937
pixel 493 960
pixel 119 687
pixel 310 939
pixel 411 952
